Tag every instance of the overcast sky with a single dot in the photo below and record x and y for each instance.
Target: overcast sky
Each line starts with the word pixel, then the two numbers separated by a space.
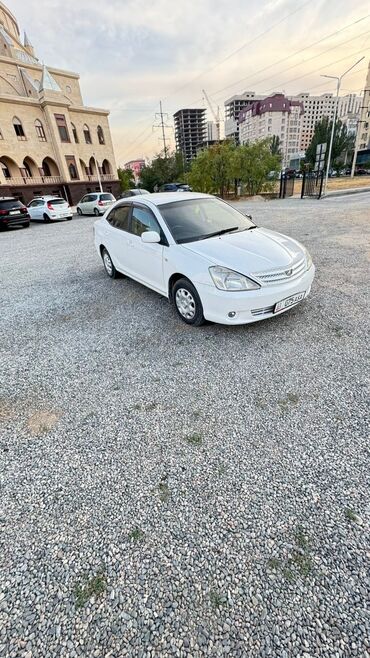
pixel 131 54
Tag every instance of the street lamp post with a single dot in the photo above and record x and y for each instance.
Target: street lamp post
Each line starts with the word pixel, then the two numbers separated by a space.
pixel 98 172
pixel 339 82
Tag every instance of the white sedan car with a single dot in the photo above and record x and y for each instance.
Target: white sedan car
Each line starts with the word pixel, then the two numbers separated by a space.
pixel 209 259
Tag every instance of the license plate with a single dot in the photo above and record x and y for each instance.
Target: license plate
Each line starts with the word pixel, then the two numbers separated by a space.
pixel 289 301
pixel 14 212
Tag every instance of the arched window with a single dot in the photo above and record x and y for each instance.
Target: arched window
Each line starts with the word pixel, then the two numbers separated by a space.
pixel 27 169
pixel 40 132
pixel 100 135
pixel 73 172
pixel 87 134
pixel 74 132
pixel 5 169
pixel 18 128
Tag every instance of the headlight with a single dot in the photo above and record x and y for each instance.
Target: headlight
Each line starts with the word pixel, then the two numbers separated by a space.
pixel 308 259
pixel 225 279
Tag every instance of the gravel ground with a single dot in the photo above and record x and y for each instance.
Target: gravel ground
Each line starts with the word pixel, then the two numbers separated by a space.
pixel 170 491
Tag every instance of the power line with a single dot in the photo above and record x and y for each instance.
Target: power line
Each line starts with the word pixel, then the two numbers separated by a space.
pixel 235 52
pixel 298 52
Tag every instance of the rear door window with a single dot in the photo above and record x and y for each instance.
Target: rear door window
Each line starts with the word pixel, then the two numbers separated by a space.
pixel 120 217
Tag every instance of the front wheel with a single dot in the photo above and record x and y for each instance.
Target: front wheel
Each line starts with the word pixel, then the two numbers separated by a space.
pixel 187 303
pixel 69 219
pixel 26 225
pixel 79 211
pixel 108 265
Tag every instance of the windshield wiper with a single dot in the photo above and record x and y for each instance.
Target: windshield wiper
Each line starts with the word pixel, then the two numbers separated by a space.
pixel 221 232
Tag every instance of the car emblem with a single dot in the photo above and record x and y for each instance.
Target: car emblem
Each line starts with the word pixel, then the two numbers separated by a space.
pixel 289 272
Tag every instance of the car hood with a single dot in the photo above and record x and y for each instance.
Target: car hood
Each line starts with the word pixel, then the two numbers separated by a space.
pixel 256 250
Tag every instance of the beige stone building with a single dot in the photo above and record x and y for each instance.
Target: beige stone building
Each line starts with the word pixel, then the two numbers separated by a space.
pixel 50 143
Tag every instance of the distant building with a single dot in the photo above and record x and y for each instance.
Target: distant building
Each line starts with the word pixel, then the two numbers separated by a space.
pixel 363 130
pixel 190 131
pixel 51 143
pixel 136 166
pixel 274 115
pixel 212 133
pixel 233 107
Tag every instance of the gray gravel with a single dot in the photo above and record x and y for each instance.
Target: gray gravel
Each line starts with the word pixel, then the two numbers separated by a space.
pixel 169 491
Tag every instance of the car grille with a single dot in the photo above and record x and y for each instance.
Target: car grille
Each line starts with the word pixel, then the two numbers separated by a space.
pixel 263 311
pixel 281 274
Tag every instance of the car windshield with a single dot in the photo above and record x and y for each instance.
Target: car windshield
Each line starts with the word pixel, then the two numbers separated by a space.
pixel 198 219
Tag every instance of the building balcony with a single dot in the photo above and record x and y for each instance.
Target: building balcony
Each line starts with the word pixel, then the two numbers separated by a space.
pixel 54 180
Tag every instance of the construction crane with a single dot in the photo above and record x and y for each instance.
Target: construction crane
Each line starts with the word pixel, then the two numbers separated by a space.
pixel 216 115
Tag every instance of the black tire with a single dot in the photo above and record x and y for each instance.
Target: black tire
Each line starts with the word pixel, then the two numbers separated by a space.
pixel 96 212
pixel 185 295
pixel 26 225
pixel 79 211
pixel 69 219
pixel 108 264
pixel 46 218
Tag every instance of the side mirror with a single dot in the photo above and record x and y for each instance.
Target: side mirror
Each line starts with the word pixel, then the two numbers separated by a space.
pixel 150 237
pixel 248 216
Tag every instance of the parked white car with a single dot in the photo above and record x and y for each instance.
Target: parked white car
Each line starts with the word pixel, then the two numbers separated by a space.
pixel 49 209
pixel 209 259
pixel 95 203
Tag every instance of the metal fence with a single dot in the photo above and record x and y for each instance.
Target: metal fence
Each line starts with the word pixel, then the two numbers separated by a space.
pixel 312 184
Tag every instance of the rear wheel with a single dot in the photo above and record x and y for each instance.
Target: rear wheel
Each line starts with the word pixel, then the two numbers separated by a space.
pixel 187 303
pixel 46 218
pixel 79 211
pixel 96 212
pixel 108 264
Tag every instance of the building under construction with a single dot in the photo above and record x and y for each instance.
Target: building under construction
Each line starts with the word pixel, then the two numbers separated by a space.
pixel 190 131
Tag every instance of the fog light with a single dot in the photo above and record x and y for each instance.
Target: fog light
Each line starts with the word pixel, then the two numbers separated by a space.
pixel 232 314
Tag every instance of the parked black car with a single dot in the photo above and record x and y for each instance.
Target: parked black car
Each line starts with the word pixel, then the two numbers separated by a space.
pixel 13 213
pixel 134 192
pixel 175 187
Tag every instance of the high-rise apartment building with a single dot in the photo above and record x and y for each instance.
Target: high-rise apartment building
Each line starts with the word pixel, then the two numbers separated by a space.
pixel 190 131
pixel 275 115
pixel 233 107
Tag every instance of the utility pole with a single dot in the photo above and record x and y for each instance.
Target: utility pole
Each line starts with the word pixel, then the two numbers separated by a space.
pixel 159 117
pixel 363 116
pixel 339 82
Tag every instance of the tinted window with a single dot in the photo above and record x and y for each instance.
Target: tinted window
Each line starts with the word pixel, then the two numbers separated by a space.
pixel 119 218
pixel 143 220
pixel 9 204
pixel 56 202
pixel 107 197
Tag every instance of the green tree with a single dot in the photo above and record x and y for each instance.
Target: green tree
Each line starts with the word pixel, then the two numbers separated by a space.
pixel 162 170
pixel 275 145
pixel 253 164
pixel 126 178
pixel 212 170
pixel 342 142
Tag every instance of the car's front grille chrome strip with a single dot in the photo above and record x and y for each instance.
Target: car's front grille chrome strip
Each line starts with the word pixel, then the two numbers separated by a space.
pixel 281 275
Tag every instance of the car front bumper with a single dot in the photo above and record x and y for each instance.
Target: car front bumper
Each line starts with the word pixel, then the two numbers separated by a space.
pixel 250 305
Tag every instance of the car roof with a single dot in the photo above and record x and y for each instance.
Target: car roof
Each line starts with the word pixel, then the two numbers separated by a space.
pixel 160 198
